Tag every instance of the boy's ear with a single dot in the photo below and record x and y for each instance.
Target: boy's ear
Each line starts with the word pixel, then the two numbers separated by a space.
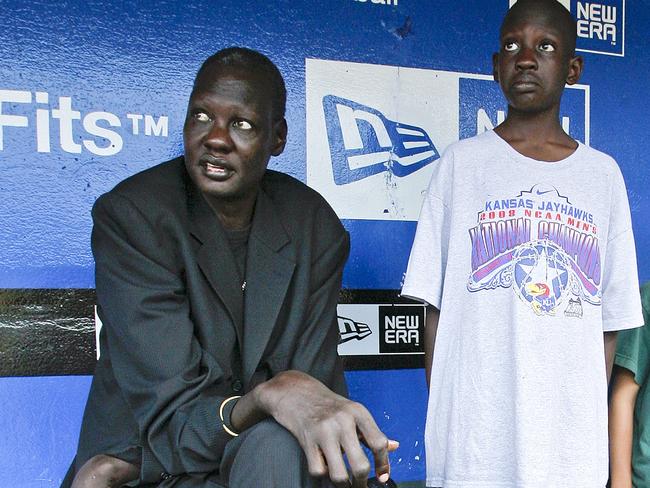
pixel 495 64
pixel 576 64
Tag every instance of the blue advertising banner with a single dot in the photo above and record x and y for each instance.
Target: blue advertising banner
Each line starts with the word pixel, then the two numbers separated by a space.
pixel 92 92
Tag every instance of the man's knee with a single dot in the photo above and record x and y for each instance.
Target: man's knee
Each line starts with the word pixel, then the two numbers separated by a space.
pixel 267 452
pixel 268 438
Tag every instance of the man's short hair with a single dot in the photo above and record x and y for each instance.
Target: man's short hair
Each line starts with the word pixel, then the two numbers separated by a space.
pixel 255 62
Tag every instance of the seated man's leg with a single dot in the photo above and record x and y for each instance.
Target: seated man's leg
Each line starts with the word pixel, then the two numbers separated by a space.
pixel 267 455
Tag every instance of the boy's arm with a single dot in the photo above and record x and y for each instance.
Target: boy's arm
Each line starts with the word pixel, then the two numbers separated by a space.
pixel 430 331
pixel 609 338
pixel 621 416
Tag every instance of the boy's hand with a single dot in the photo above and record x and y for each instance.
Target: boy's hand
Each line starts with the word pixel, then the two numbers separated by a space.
pixel 103 471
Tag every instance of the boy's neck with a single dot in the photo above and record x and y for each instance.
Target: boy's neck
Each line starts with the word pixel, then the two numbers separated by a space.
pixel 537 136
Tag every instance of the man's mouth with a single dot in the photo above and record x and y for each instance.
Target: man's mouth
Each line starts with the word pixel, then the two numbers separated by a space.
pixel 525 84
pixel 215 168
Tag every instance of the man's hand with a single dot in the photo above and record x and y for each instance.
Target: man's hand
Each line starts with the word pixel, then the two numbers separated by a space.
pixel 103 471
pixel 326 425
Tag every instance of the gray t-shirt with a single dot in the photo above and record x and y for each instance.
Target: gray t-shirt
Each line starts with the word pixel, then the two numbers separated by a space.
pixel 529 262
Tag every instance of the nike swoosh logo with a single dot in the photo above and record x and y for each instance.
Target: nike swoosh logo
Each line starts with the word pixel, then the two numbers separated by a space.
pixel 543 192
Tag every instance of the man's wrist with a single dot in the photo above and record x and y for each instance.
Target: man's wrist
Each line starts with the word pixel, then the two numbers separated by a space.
pixel 225 414
pixel 262 397
pixel 249 409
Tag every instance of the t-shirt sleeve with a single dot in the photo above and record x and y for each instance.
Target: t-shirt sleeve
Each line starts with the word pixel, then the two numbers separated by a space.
pixel 425 273
pixel 621 303
pixel 633 345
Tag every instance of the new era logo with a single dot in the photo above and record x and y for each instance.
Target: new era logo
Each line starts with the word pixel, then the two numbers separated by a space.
pixel 374 135
pixel 601 26
pixel 363 142
pixel 401 329
pixel 349 329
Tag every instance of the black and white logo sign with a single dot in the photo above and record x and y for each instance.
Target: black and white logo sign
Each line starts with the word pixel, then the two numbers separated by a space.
pixel 349 330
pixel 401 329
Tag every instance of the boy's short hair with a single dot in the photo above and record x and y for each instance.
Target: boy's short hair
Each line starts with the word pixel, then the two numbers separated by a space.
pixel 550 8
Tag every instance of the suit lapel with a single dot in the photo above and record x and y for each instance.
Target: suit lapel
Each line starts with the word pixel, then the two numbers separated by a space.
pixel 214 256
pixel 268 275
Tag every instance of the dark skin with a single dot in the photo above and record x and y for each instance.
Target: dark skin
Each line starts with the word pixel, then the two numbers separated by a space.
pixel 535 60
pixel 230 133
pixel 430 332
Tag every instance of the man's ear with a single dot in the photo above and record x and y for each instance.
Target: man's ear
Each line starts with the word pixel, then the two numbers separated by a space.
pixel 576 65
pixel 280 137
pixel 495 66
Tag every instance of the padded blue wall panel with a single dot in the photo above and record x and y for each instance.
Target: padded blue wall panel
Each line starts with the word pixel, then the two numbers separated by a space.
pixel 138 59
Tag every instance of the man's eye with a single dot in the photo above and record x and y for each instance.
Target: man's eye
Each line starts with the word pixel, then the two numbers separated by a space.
pixel 510 46
pixel 242 124
pixel 547 47
pixel 201 117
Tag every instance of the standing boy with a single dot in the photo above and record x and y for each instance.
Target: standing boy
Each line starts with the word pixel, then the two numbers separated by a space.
pixel 525 255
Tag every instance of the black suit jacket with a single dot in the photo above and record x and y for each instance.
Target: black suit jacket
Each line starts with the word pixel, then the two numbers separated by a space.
pixel 170 299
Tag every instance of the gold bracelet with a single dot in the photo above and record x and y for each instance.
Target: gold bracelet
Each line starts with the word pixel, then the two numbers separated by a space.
pixel 223 422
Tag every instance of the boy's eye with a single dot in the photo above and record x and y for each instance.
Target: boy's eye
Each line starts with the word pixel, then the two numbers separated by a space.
pixel 201 117
pixel 510 46
pixel 547 47
pixel 242 124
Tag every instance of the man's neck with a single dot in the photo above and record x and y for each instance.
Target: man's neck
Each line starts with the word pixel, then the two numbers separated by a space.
pixel 233 214
pixel 538 136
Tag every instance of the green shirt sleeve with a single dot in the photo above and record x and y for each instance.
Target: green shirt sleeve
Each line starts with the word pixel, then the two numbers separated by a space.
pixel 633 345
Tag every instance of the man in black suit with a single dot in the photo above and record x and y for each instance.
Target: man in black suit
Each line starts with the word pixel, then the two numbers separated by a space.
pixel 217 283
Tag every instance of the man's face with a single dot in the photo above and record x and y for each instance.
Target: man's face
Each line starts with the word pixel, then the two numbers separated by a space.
pixel 230 133
pixel 534 62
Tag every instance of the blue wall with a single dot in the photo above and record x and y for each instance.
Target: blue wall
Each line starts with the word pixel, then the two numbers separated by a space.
pixel 90 72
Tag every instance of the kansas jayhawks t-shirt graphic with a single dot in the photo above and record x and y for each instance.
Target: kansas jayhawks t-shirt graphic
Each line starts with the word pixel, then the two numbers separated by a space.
pixel 542 246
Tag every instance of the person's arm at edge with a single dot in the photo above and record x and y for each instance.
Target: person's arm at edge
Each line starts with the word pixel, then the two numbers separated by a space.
pixel 621 425
pixel 430 332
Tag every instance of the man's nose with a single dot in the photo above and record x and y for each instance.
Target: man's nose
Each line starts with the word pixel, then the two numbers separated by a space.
pixel 527 58
pixel 218 138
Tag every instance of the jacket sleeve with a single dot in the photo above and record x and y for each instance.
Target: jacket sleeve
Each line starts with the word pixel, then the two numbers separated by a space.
pixel 316 352
pixel 165 376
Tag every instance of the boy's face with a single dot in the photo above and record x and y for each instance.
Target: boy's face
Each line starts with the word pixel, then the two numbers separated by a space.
pixel 535 61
